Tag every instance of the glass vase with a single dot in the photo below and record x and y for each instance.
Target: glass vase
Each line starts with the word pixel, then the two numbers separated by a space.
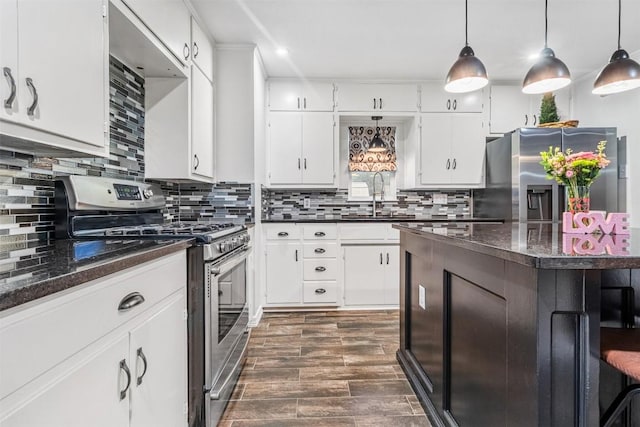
pixel 577 198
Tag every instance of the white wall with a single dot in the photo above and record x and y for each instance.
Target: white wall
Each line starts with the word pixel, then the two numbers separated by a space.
pixel 619 110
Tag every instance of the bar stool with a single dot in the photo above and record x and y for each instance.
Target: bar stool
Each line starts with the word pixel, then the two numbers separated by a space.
pixel 620 348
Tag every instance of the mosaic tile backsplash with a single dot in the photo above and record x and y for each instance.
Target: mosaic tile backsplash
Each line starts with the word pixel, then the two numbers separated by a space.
pixel 334 204
pixel 230 202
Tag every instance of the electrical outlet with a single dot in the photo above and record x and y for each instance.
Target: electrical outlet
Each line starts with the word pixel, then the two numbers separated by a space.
pixel 439 199
pixel 422 297
pixel 307 202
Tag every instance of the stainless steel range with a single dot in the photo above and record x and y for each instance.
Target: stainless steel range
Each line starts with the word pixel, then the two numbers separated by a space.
pixel 102 208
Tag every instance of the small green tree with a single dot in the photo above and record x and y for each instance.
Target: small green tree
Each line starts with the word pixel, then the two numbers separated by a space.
pixel 548 109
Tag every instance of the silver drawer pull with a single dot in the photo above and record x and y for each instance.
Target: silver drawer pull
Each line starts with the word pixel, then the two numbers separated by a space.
pixel 130 301
pixel 319 250
pixel 125 368
pixel 320 234
pixel 321 291
pixel 140 354
pixel 321 269
pixel 283 234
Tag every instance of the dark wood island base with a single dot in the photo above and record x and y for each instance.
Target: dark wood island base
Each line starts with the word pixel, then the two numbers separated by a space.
pixel 500 328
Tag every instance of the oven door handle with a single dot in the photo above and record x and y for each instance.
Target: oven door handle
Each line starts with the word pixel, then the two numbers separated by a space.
pixel 217 391
pixel 229 264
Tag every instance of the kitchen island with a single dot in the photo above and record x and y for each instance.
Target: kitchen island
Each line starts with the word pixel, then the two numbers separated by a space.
pixel 500 327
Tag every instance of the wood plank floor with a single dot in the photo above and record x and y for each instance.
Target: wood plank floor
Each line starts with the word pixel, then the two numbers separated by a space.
pixel 334 368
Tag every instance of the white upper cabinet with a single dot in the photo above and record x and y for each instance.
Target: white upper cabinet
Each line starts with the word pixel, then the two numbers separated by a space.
pixel 301 149
pixel 434 99
pixel 201 49
pixel 452 150
pixel 377 97
pixel 54 82
pixel 169 20
pixel 294 95
pixel 202 124
pixel 512 109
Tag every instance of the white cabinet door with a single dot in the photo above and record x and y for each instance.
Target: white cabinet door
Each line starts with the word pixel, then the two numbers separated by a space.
pixel 158 355
pixel 201 49
pixel 317 96
pixel 63 68
pixel 377 97
pixel 364 275
pixel 202 119
pixel 435 149
pixel 467 149
pixel 392 275
pixel 167 19
pixel 317 148
pixel 87 394
pixel 510 109
pixel 285 148
pixel 9 59
pixel 434 99
pixel 284 273
pixel 285 95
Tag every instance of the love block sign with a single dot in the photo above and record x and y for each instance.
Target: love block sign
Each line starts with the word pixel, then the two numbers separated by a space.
pixel 595 222
pixel 595 244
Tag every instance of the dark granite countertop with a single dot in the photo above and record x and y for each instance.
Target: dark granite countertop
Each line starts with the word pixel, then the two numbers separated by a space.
pixel 62 264
pixel 541 245
pixel 389 219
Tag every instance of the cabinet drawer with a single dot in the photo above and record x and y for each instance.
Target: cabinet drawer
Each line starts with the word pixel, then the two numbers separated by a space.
pixel 283 232
pixel 39 337
pixel 320 269
pixel 319 232
pixel 320 292
pixel 320 250
pixel 364 231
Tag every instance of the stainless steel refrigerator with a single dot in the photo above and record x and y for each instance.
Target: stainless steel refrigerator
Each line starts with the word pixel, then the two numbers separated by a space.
pixel 516 187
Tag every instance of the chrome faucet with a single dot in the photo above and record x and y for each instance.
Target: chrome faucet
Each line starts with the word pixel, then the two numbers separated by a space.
pixel 374 191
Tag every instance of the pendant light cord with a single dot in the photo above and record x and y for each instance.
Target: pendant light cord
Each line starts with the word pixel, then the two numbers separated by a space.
pixel 619 22
pixel 466 23
pixel 546 23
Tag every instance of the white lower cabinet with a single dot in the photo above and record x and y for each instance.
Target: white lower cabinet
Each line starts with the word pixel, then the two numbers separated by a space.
pixel 83 359
pixel 284 272
pixel 371 275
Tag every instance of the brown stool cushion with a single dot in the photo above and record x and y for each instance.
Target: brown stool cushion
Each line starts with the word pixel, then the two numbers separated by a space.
pixel 620 348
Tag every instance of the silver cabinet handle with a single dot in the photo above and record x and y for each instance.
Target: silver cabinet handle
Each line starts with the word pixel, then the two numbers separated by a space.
pixel 196 50
pixel 296 255
pixel 455 104
pixel 196 162
pixel 381 103
pixel 319 234
pixel 283 234
pixel 374 103
pixel 305 163
pixel 125 368
pixel 130 301
pixel 387 258
pixel 526 119
pixel 448 104
pixel 448 164
pixel 32 108
pixel 320 291
pixel 304 103
pixel 321 269
pixel 319 250
pixel 141 356
pixel 298 103
pixel 454 163
pixel 380 257
pixel 8 103
pixel 535 119
pixel 298 163
pixel 185 51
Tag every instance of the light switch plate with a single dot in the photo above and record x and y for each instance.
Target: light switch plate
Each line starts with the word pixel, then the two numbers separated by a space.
pixel 307 202
pixel 439 199
pixel 422 297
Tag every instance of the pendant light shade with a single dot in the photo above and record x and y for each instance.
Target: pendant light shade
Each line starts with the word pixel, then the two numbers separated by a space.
pixel 621 73
pixel 377 145
pixel 548 73
pixel 468 72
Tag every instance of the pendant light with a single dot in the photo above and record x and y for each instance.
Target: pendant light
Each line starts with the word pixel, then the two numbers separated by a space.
pixel 467 73
pixel 548 73
pixel 621 73
pixel 377 145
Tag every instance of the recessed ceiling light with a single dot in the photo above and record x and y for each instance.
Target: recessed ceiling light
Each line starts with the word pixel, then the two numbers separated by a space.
pixel 282 51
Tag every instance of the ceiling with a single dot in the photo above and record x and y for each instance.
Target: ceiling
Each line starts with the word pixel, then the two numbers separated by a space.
pixel 420 39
